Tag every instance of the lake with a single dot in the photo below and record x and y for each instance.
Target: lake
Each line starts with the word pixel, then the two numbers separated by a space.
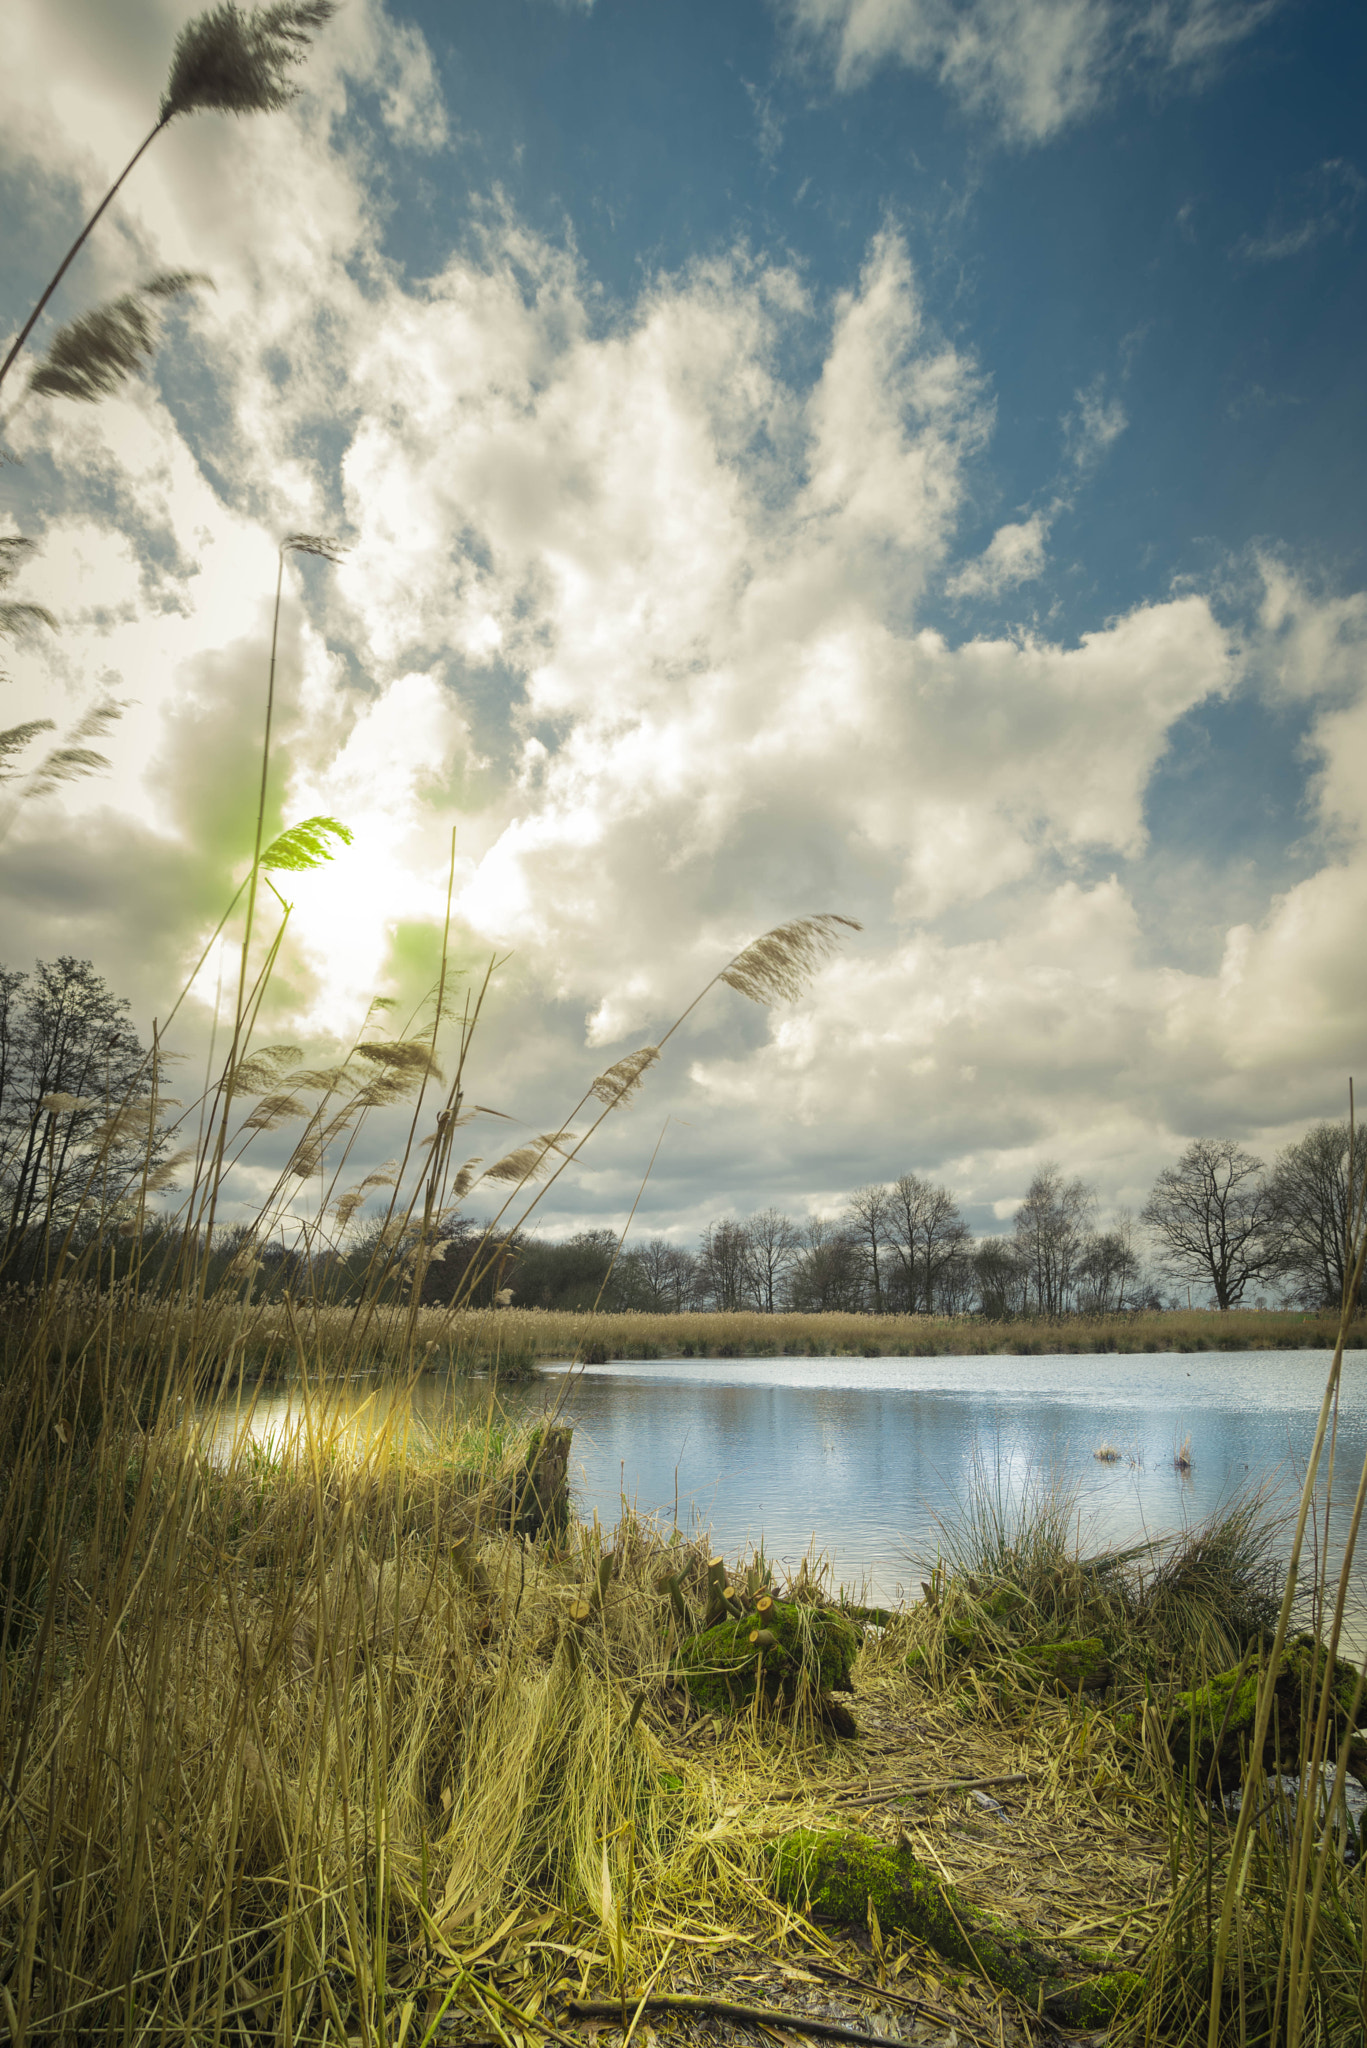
pixel 856 1458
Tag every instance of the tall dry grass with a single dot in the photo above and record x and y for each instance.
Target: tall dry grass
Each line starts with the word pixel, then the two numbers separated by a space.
pixel 288 1731
pixel 278 1725
pixel 553 1333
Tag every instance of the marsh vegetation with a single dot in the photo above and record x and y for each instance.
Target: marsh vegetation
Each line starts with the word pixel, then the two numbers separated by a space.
pixel 357 1736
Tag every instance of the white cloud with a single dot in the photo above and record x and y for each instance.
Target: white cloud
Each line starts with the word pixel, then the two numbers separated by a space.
pixel 1093 426
pixel 1015 554
pixel 1032 65
pixel 641 610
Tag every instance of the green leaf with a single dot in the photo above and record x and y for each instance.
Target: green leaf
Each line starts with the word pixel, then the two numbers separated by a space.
pixel 305 845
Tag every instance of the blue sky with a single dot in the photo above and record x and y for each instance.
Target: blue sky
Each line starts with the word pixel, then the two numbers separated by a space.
pixel 872 455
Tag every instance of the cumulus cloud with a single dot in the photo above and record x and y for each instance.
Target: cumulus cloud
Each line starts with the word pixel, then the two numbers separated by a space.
pixel 641 609
pixel 1032 66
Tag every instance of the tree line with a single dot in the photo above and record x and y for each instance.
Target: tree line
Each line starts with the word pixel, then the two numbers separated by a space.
pixel 1218 1220
pixel 73 1073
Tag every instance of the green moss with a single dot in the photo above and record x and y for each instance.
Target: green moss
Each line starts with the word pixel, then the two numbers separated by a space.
pixel 835 1874
pixel 1082 1661
pixel 813 1653
pixel 1002 1601
pixel 1096 2001
pixel 1224 1713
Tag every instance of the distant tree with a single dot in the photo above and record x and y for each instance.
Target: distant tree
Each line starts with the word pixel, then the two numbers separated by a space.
pixel 1001 1276
pixel 469 1267
pixel 651 1276
pixel 75 1088
pixel 1050 1231
pixel 771 1246
pixel 571 1274
pixel 867 1217
pixel 828 1271
pixel 1212 1216
pixel 1109 1270
pixel 955 1281
pixel 927 1237
pixel 683 1279
pixel 723 1265
pixel 1310 1194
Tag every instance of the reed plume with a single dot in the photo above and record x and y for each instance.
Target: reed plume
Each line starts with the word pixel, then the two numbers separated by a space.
pixel 92 355
pixel 225 61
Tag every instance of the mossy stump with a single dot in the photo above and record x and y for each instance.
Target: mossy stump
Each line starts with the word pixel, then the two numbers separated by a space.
pixel 535 1500
pixel 1212 1725
pixel 835 1874
pixel 798 1655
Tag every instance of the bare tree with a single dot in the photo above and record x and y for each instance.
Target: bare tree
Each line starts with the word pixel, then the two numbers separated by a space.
pixel 1109 1270
pixel 1002 1276
pixel 653 1265
pixel 72 1076
pixel 827 1273
pixel 772 1243
pixel 926 1235
pixel 867 1216
pixel 1212 1215
pixel 1311 1190
pixel 1050 1230
pixel 663 1276
pixel 723 1262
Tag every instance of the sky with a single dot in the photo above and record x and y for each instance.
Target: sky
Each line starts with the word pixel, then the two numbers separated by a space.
pixel 889 457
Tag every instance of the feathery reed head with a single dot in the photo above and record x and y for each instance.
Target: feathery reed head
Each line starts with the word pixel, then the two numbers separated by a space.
pixel 236 63
pixel 465 1179
pixel 527 1161
pixel 265 1069
pixel 325 1080
pixel 622 1079
pixel 162 1176
pixel 305 845
pixel 93 354
pixel 321 544
pixel 400 1058
pixel 346 1206
pixel 16 737
pixel 272 1111
pixel 133 1121
pixel 17 618
pixel 778 967
pixel 74 758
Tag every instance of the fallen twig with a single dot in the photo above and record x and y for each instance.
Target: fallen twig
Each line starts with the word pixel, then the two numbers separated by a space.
pixel 723 2008
pixel 933 1785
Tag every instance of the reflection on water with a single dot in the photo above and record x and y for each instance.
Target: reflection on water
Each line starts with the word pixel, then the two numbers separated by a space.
pixel 859 1456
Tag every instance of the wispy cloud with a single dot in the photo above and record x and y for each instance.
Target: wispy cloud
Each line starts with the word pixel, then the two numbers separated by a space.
pixel 1095 423
pixel 1334 191
pixel 1032 66
pixel 768 123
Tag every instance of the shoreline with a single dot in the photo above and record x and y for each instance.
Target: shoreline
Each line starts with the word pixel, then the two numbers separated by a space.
pixel 534 1336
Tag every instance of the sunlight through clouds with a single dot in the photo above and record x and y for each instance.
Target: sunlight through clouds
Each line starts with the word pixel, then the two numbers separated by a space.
pixel 662 597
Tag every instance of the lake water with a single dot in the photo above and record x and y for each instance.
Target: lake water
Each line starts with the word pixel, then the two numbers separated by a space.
pixel 856 1458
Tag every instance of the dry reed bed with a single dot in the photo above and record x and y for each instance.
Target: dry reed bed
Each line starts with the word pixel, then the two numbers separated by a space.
pixel 245 1338
pixel 549 1333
